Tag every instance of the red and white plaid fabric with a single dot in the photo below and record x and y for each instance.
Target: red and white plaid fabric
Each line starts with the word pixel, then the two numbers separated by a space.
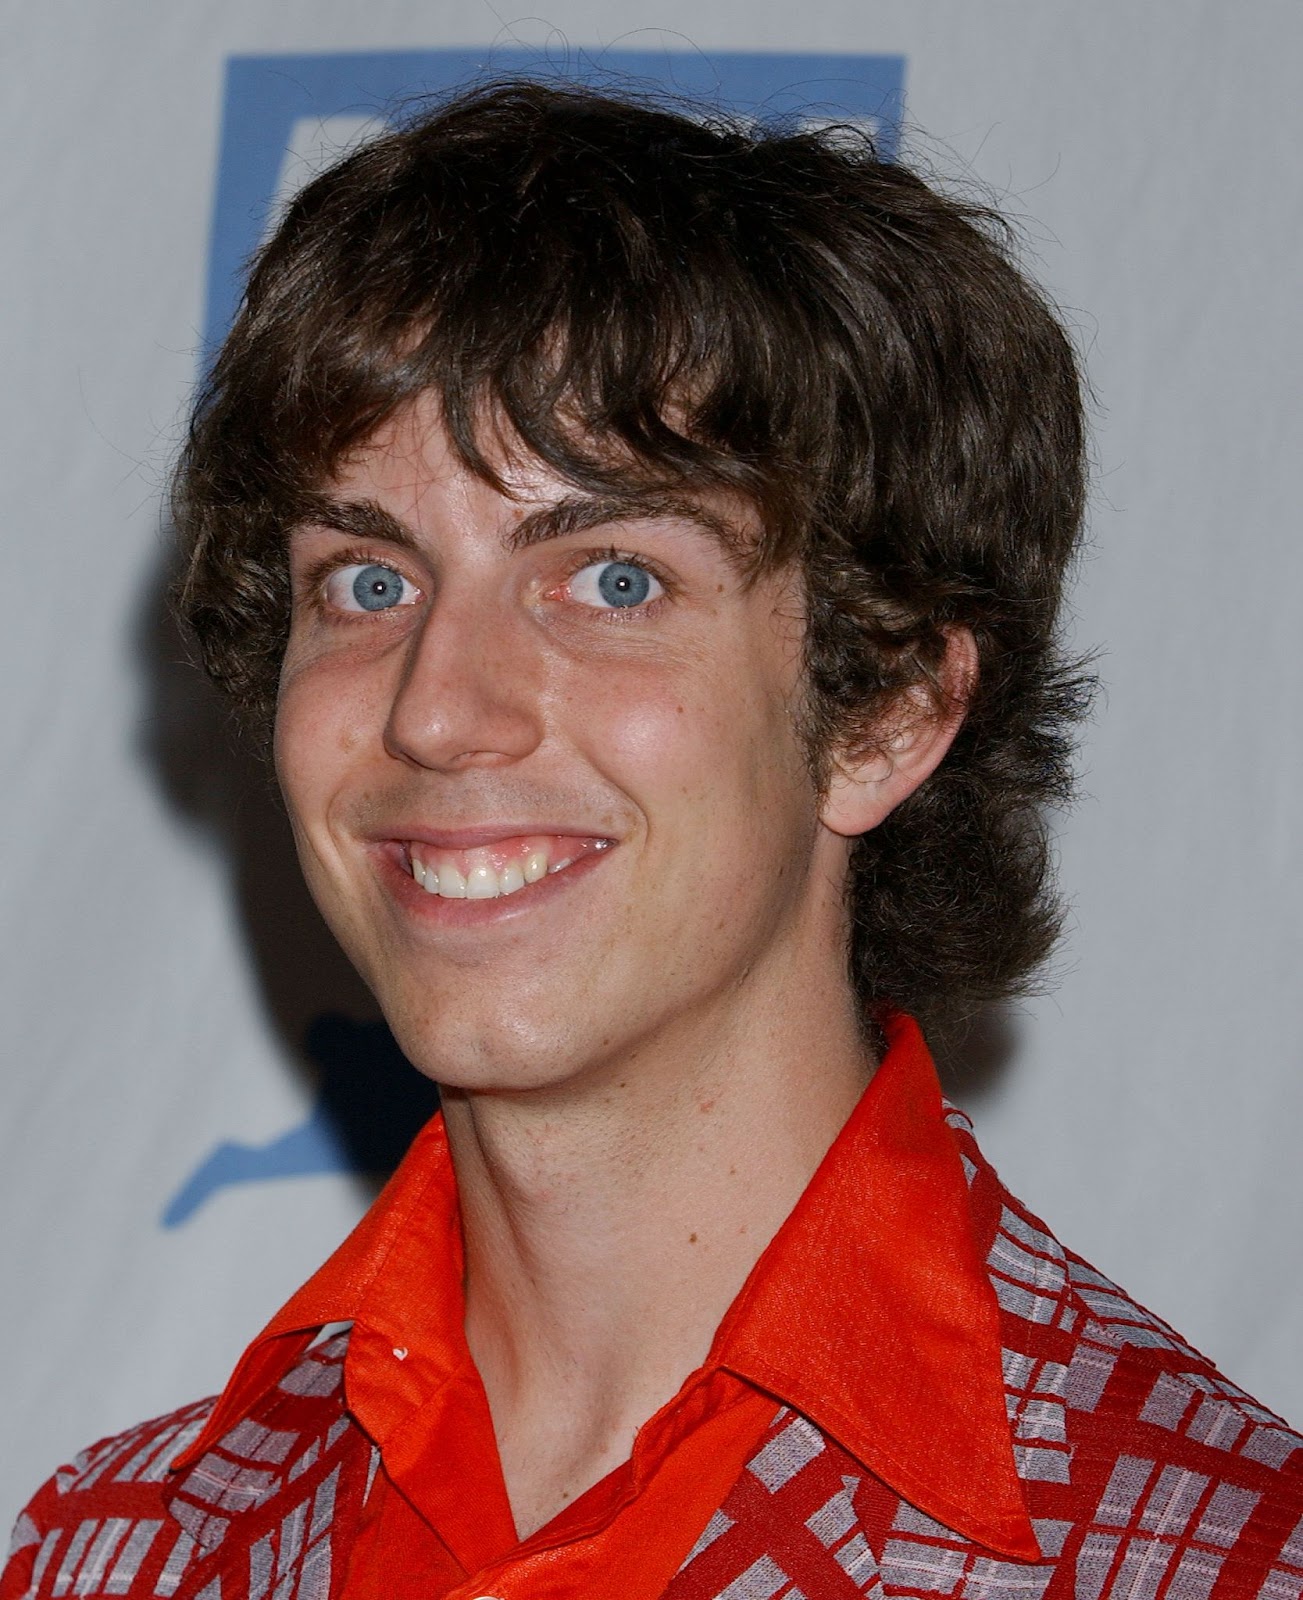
pixel 1147 1476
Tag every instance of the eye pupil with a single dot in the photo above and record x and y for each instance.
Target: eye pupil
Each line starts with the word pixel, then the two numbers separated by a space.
pixel 623 584
pixel 377 588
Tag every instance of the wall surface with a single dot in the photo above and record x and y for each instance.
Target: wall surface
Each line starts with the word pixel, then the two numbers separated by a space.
pixel 171 1161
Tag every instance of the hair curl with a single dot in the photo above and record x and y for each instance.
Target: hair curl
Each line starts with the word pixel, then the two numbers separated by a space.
pixel 642 295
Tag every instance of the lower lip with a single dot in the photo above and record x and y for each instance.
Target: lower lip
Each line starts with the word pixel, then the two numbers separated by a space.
pixel 434 911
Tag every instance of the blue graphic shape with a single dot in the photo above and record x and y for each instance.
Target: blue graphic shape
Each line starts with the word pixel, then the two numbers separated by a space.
pixel 268 96
pixel 370 1103
pixel 313 1146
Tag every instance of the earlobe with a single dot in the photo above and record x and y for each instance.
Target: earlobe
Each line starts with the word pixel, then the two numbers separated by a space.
pixel 869 782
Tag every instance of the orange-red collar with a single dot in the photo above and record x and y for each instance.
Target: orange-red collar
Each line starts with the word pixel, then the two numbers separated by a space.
pixel 870 1312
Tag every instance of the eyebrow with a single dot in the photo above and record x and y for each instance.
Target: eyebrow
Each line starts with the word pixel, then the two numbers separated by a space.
pixel 579 513
pixel 360 519
pixel 367 519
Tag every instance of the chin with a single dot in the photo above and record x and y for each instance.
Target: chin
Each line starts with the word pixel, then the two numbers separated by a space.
pixel 484 1057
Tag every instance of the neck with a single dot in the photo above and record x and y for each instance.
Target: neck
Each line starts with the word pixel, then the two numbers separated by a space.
pixel 609 1227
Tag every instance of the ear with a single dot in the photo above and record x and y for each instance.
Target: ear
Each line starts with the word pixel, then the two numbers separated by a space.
pixel 870 781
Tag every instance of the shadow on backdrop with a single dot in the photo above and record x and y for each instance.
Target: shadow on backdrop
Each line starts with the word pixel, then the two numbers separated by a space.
pixel 973 1060
pixel 367 1101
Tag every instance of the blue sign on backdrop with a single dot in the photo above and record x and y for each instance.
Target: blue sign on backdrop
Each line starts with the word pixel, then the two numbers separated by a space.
pixel 283 118
pixel 275 106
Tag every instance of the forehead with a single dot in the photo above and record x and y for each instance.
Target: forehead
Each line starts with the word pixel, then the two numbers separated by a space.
pixel 412 455
pixel 411 470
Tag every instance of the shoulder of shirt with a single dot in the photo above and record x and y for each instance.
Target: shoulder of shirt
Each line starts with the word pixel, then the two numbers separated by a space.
pixel 164 1517
pixel 1111 1408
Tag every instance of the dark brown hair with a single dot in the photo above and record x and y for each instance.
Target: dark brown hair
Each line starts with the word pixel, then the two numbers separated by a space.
pixel 650 297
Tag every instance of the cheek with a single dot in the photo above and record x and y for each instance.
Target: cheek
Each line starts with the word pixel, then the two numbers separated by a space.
pixel 652 726
pixel 716 734
pixel 322 721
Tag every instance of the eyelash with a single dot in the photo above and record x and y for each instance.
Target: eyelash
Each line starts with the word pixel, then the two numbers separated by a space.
pixel 314 578
pixel 619 616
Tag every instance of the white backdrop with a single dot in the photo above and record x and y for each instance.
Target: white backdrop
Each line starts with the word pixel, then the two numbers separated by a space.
pixel 159 964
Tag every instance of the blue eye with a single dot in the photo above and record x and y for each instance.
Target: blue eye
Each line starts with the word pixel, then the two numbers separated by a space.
pixel 615 585
pixel 369 586
pixel 377 588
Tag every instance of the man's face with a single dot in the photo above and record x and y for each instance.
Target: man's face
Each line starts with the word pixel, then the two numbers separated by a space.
pixel 576 723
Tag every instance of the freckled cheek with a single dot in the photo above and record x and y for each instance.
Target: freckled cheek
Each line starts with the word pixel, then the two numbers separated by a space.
pixel 673 746
pixel 324 721
pixel 649 727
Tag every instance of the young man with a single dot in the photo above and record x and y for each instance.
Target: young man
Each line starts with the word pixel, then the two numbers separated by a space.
pixel 649 536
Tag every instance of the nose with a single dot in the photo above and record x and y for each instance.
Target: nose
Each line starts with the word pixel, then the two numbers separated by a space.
pixel 470 690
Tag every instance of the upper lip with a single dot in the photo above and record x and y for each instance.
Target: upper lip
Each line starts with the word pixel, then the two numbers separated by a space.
pixel 486 834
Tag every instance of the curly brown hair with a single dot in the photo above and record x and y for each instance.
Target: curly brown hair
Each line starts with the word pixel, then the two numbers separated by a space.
pixel 649 297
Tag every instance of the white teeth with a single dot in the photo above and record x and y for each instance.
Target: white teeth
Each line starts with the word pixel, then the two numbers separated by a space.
pixel 452 886
pixel 482 881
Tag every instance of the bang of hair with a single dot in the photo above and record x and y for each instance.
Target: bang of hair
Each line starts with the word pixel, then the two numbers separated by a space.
pixel 534 301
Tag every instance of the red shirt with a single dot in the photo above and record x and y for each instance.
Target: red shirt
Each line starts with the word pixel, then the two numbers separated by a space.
pixel 870 1313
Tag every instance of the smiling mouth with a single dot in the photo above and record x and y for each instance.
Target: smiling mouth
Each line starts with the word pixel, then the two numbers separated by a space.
pixel 489 872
